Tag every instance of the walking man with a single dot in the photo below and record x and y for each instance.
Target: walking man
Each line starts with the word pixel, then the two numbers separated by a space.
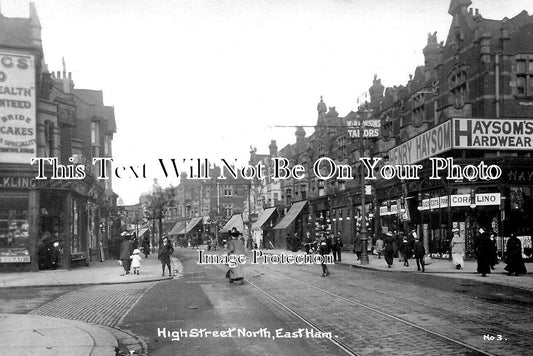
pixel 339 245
pixel 420 252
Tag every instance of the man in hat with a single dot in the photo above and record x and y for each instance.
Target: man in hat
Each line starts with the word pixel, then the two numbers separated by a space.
pixel 420 252
pixel 126 249
pixel 388 249
pixel 458 248
pixel 235 247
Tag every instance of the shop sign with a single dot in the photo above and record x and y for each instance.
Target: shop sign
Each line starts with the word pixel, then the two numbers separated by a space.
pixel 17 182
pixel 17 107
pixel 14 255
pixel 428 144
pixel 384 211
pixel 369 128
pixel 434 203
pixel 499 134
pixel 482 199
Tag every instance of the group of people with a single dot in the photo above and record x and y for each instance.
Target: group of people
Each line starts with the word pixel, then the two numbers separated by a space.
pixel 487 254
pixel 407 247
pixel 130 255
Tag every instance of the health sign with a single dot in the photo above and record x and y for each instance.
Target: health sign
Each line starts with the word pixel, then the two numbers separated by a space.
pixel 17 107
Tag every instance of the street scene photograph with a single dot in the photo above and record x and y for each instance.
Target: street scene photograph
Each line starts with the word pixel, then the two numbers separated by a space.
pixel 266 177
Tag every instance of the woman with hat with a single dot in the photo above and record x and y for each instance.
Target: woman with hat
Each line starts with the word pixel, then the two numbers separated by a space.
pixel 388 249
pixel 458 248
pixel 235 247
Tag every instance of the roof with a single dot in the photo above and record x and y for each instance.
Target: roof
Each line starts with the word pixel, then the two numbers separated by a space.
pixel 294 211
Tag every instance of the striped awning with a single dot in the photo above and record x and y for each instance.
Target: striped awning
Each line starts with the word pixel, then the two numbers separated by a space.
pixel 178 229
pixel 294 211
pixel 262 219
pixel 235 221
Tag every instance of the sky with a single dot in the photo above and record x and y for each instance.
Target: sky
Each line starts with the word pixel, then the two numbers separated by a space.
pixel 210 78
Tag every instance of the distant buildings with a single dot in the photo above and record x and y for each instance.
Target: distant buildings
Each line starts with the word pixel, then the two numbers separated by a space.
pixel 43 115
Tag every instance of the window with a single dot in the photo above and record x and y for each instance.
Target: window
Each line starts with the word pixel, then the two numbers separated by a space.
pixel 228 210
pixel 48 139
pixel 95 133
pixel 321 152
pixel 458 87
pixel 418 108
pixel 524 77
pixel 228 190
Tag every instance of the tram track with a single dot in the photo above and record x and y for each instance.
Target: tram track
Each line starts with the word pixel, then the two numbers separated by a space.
pixel 458 346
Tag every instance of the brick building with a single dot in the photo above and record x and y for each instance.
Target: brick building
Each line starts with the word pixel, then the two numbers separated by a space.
pixel 44 116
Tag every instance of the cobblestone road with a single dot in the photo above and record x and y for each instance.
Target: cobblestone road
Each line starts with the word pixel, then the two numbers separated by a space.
pixel 450 313
pixel 103 305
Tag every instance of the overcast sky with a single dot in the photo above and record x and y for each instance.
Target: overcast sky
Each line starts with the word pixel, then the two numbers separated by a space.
pixel 211 78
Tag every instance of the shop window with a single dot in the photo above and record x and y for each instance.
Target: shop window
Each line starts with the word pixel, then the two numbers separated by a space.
pixel 14 226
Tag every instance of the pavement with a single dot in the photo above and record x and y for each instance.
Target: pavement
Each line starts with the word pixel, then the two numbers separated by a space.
pixel 22 334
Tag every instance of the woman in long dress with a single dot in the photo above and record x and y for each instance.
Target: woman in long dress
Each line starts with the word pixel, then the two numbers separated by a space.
pixel 458 248
pixel 515 262
pixel 388 249
pixel 235 247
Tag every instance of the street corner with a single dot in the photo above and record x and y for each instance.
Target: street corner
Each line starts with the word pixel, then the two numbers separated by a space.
pixel 43 335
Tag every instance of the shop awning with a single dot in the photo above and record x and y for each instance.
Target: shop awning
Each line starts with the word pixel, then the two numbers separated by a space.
pixel 178 229
pixel 235 221
pixel 294 211
pixel 143 231
pixel 265 215
pixel 193 223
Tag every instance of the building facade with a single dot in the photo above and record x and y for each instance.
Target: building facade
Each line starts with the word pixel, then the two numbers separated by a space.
pixel 53 221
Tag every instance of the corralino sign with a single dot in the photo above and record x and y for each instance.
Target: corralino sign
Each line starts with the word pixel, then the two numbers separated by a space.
pixel 482 199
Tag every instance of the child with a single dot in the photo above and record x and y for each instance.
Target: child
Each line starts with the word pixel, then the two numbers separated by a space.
pixel 136 261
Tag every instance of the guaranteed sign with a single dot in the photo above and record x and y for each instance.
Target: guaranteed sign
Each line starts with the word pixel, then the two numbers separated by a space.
pixel 498 134
pixel 17 107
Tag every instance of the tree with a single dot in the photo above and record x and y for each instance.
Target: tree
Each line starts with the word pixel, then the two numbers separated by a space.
pixel 155 205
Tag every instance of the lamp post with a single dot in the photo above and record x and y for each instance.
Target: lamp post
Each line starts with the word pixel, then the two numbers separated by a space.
pixel 363 236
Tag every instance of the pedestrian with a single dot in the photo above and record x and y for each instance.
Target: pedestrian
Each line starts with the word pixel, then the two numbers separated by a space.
pixel 235 248
pixel 146 246
pixel 136 261
pixel 323 249
pixel 405 250
pixel 358 247
pixel 388 249
pixel 458 248
pixel 165 251
pixel 295 242
pixel 379 247
pixel 339 245
pixel 126 250
pixel 397 241
pixel 334 247
pixel 494 250
pixel 289 244
pixel 484 252
pixel 420 252
pixel 308 242
pixel 515 262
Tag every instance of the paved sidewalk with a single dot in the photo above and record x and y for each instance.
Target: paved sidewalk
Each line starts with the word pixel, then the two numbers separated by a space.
pixel 40 335
pixel 439 267
pixel 107 272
